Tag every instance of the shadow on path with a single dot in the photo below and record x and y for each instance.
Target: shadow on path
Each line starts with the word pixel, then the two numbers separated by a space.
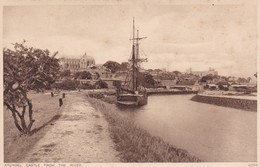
pixel 53 119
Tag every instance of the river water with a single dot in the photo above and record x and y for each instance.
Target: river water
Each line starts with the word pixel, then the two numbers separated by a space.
pixel 212 133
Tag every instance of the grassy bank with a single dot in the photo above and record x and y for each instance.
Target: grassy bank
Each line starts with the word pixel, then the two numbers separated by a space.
pixel 135 144
pixel 46 112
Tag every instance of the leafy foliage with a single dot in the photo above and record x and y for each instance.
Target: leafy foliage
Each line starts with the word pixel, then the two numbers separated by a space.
pixel 221 87
pixel 124 66
pixel 248 79
pixel 177 72
pixel 241 80
pixel 69 84
pixel 112 66
pixel 65 73
pixel 117 84
pixel 167 75
pixel 86 86
pixel 82 75
pixel 26 69
pixel 149 81
pixel 93 67
pixel 146 80
pixel 98 75
pixel 100 84
pixel 206 78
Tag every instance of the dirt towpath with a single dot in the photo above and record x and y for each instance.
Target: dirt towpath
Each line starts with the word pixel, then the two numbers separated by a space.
pixel 80 135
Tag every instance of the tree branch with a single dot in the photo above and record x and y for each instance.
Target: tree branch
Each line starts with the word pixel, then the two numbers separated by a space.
pixel 14 116
pixel 8 106
pixel 23 112
pixel 17 112
pixel 30 115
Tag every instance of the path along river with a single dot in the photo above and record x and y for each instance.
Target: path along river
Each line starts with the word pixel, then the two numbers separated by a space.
pixel 80 136
pixel 212 133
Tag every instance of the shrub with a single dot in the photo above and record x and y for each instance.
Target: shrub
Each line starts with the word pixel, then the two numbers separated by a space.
pixel 82 75
pixel 221 87
pixel 206 87
pixel 117 84
pixel 86 86
pixel 100 84
pixel 67 84
pixel 65 73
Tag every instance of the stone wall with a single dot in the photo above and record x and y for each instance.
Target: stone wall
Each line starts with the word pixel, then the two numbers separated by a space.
pixel 244 104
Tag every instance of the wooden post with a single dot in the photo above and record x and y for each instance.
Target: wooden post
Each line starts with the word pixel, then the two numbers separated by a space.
pixel 52 94
pixel 60 102
pixel 63 95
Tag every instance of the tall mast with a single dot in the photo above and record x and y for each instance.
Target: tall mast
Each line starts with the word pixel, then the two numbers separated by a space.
pixel 137 45
pixel 133 56
pixel 133 31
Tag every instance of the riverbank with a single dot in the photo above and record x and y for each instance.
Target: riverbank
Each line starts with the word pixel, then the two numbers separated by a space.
pixel 169 91
pixel 135 144
pixel 227 101
pixel 150 91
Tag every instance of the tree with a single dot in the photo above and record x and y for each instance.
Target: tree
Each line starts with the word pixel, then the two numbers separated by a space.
pixel 147 80
pixel 221 87
pixel 93 67
pixel 86 86
pixel 65 73
pixel 100 84
pixel 167 75
pixel 26 68
pixel 112 66
pixel 86 75
pixel 83 75
pixel 241 80
pixel 98 75
pixel 124 66
pixel 69 84
pixel 223 78
pixel 229 78
pixel 248 79
pixel 117 84
pixel 176 72
pixel 206 78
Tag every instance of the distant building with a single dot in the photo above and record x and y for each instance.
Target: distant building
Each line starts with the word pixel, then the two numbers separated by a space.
pixel 185 85
pixel 202 73
pixel 77 64
pixel 167 82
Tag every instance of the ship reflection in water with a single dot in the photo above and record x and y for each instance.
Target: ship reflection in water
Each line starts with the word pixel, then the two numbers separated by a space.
pixel 212 133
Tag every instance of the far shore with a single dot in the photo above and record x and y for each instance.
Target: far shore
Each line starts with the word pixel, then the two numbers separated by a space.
pixel 245 103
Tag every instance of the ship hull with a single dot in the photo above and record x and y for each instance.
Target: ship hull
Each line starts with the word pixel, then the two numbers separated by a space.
pixel 132 99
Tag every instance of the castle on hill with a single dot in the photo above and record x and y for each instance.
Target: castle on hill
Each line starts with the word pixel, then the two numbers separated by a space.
pixel 77 64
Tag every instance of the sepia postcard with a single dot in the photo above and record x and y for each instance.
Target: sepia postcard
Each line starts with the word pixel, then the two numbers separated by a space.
pixel 129 83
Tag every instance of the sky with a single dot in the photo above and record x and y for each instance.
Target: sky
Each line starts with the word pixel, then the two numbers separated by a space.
pixel 223 37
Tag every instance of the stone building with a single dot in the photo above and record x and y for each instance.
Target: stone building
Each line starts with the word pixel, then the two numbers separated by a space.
pixel 77 64
pixel 202 73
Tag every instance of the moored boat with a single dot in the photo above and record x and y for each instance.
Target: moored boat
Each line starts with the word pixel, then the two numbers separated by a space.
pixel 132 93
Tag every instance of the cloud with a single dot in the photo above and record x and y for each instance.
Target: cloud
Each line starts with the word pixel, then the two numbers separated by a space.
pixel 179 36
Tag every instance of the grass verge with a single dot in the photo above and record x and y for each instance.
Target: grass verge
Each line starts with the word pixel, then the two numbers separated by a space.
pixel 46 112
pixel 135 144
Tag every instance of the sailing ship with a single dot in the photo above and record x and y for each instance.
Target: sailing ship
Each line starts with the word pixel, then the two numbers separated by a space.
pixel 132 93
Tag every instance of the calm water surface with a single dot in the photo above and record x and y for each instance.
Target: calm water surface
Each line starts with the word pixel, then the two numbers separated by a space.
pixel 210 132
